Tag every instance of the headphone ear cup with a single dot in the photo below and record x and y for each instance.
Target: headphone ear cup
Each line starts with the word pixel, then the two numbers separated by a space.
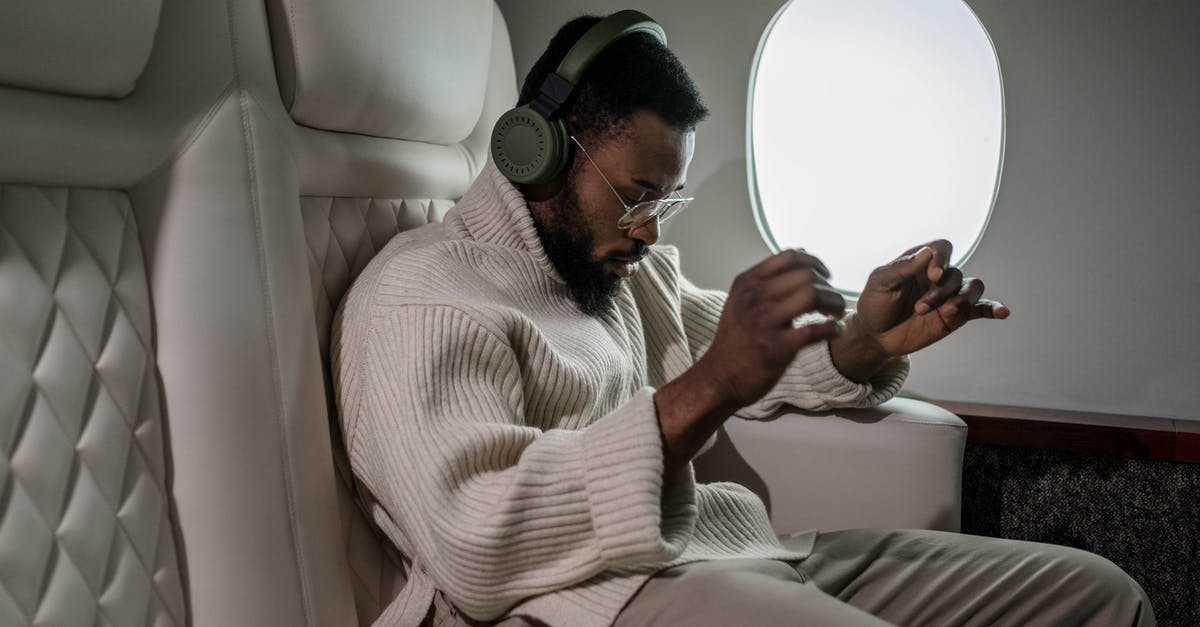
pixel 528 148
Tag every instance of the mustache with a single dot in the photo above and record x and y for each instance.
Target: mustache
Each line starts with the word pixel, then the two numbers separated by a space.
pixel 640 250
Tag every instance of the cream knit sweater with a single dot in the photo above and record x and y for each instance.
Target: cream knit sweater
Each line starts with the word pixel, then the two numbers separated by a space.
pixel 510 443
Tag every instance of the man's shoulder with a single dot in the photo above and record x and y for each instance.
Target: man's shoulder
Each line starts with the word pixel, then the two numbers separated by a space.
pixel 413 255
pixel 412 263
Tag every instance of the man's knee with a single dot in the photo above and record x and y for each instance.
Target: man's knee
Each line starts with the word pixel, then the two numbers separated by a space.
pixel 1114 596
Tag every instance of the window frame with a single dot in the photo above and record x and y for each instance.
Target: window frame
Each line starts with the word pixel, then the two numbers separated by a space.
pixel 960 255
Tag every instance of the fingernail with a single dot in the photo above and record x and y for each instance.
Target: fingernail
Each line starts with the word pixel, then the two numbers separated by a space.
pixel 922 308
pixel 936 273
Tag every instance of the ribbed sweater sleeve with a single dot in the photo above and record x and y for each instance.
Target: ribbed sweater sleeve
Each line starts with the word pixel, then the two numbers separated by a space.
pixel 812 382
pixel 497 509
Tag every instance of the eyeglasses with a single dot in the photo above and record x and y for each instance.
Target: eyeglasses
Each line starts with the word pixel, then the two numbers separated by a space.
pixel 640 213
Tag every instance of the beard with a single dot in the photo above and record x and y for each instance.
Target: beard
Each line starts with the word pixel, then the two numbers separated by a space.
pixel 568 243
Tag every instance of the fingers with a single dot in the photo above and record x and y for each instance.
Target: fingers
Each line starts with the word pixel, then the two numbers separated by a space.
pixel 791 258
pixel 891 276
pixel 990 309
pixel 942 249
pixel 951 284
pixel 931 259
pixel 782 288
pixel 818 298
pixel 790 281
pixel 969 304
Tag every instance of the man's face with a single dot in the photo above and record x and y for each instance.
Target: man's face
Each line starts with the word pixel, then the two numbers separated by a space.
pixel 578 226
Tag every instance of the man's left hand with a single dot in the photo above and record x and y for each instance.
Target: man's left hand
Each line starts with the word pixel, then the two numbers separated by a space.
pixel 909 304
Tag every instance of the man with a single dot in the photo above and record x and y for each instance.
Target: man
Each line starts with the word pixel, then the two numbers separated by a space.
pixel 522 389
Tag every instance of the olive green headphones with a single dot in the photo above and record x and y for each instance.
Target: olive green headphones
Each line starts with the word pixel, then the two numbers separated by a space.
pixel 531 144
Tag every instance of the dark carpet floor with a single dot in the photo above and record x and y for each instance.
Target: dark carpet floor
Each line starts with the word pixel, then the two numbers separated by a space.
pixel 1142 515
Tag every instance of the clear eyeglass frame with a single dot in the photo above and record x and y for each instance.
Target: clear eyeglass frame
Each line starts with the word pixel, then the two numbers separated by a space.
pixel 640 213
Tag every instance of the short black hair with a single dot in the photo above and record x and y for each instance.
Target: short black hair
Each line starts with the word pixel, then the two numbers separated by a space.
pixel 634 73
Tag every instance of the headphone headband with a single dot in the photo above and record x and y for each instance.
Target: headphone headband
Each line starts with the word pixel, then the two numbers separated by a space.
pixel 603 34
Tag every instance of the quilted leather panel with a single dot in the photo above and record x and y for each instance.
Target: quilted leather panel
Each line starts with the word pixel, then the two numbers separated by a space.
pixel 85 537
pixel 343 235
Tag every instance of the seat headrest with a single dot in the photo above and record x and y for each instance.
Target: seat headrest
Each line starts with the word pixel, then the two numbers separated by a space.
pixel 403 69
pixel 95 49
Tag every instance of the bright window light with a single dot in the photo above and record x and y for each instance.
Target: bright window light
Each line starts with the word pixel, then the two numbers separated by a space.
pixel 874 126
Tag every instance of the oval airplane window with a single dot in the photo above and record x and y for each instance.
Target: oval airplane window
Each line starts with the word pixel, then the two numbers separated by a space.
pixel 873 126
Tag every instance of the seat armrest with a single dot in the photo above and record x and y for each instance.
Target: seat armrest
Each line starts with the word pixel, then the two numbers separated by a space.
pixel 898 465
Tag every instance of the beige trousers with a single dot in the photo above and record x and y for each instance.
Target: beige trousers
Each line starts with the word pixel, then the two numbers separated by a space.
pixel 874 577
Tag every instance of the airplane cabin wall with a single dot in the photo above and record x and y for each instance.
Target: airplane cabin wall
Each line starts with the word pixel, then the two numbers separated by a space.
pixel 1092 241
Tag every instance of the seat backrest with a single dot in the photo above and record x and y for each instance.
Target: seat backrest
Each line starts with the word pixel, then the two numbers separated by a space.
pixel 388 111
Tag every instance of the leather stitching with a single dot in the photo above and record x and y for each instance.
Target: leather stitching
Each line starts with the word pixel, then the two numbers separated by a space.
pixel 272 347
pixel 269 330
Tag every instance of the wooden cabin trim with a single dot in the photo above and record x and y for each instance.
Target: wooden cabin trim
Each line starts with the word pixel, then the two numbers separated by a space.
pixel 1135 437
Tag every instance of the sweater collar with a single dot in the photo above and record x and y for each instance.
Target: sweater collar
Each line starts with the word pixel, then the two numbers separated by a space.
pixel 494 211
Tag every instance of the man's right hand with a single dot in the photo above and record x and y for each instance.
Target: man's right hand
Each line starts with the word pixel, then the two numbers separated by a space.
pixel 755 342
pixel 756 339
